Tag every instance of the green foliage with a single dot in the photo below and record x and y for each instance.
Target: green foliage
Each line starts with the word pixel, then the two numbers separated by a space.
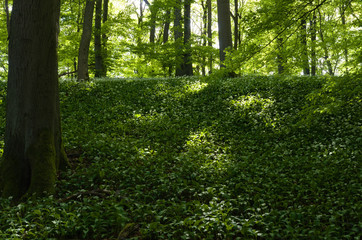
pixel 202 158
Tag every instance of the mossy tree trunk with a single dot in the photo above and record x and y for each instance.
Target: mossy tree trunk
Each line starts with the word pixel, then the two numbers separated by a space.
pixel 33 147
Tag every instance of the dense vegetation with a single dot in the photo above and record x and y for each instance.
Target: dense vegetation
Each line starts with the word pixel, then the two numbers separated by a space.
pixel 202 158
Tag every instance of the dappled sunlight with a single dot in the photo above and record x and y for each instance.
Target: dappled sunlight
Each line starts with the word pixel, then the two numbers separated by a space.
pixel 255 108
pixel 195 87
pixel 201 146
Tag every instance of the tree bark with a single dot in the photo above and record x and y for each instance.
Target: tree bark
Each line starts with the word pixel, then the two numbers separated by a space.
pixel 85 41
pixel 33 147
pixel 345 41
pixel 105 37
pixel 178 37
pixel 187 39
pixel 99 72
pixel 204 34
pixel 280 56
pixel 313 37
pixel 236 24
pixel 305 60
pixel 225 39
pixel 166 28
pixel 7 15
pixel 324 45
pixel 209 32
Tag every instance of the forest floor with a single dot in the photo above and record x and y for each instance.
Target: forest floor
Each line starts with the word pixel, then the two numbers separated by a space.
pixel 255 157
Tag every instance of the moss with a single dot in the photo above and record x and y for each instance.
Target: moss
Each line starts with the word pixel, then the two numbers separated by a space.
pixel 42 159
pixel 62 161
pixel 14 177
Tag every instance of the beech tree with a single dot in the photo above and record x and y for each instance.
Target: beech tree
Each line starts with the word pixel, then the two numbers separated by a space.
pixel 225 39
pixel 85 41
pixel 33 145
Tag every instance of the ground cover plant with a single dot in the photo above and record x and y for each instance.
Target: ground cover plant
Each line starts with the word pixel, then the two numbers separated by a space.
pixel 254 157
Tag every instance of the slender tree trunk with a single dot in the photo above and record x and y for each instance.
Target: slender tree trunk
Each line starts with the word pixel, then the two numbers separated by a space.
pixel 225 39
pixel 236 24
pixel 187 39
pixel 280 56
pixel 7 16
pixel 204 34
pixel 313 30
pixel 166 27
pixel 99 72
pixel 166 32
pixel 153 11
pixel 305 60
pixel 324 45
pixel 105 37
pixel 33 147
pixel 178 37
pixel 209 32
pixel 85 41
pixel 343 19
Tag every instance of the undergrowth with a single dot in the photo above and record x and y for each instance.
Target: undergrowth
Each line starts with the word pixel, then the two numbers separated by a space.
pixel 202 158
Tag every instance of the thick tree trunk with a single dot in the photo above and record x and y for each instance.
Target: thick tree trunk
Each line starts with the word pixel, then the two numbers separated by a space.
pixel 33 148
pixel 187 39
pixel 85 41
pixel 225 39
pixel 98 40
pixel 305 60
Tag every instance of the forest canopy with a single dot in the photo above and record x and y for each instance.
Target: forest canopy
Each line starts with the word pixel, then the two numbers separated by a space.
pixel 142 38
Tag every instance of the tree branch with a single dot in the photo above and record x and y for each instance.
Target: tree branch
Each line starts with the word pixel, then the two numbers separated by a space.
pixel 285 28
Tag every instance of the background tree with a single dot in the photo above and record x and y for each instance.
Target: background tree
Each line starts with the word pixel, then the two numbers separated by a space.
pixel 33 147
pixel 146 40
pixel 85 41
pixel 224 23
pixel 187 62
pixel 99 69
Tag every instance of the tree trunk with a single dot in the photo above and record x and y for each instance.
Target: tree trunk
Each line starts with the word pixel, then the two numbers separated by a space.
pixel 345 41
pixel 178 37
pixel 313 37
pixel 7 15
pixel 209 31
pixel 187 39
pixel 166 28
pixel 225 39
pixel 236 24
pixel 166 31
pixel 204 34
pixel 280 56
pixel 305 60
pixel 85 41
pixel 33 147
pixel 324 45
pixel 98 40
pixel 105 37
